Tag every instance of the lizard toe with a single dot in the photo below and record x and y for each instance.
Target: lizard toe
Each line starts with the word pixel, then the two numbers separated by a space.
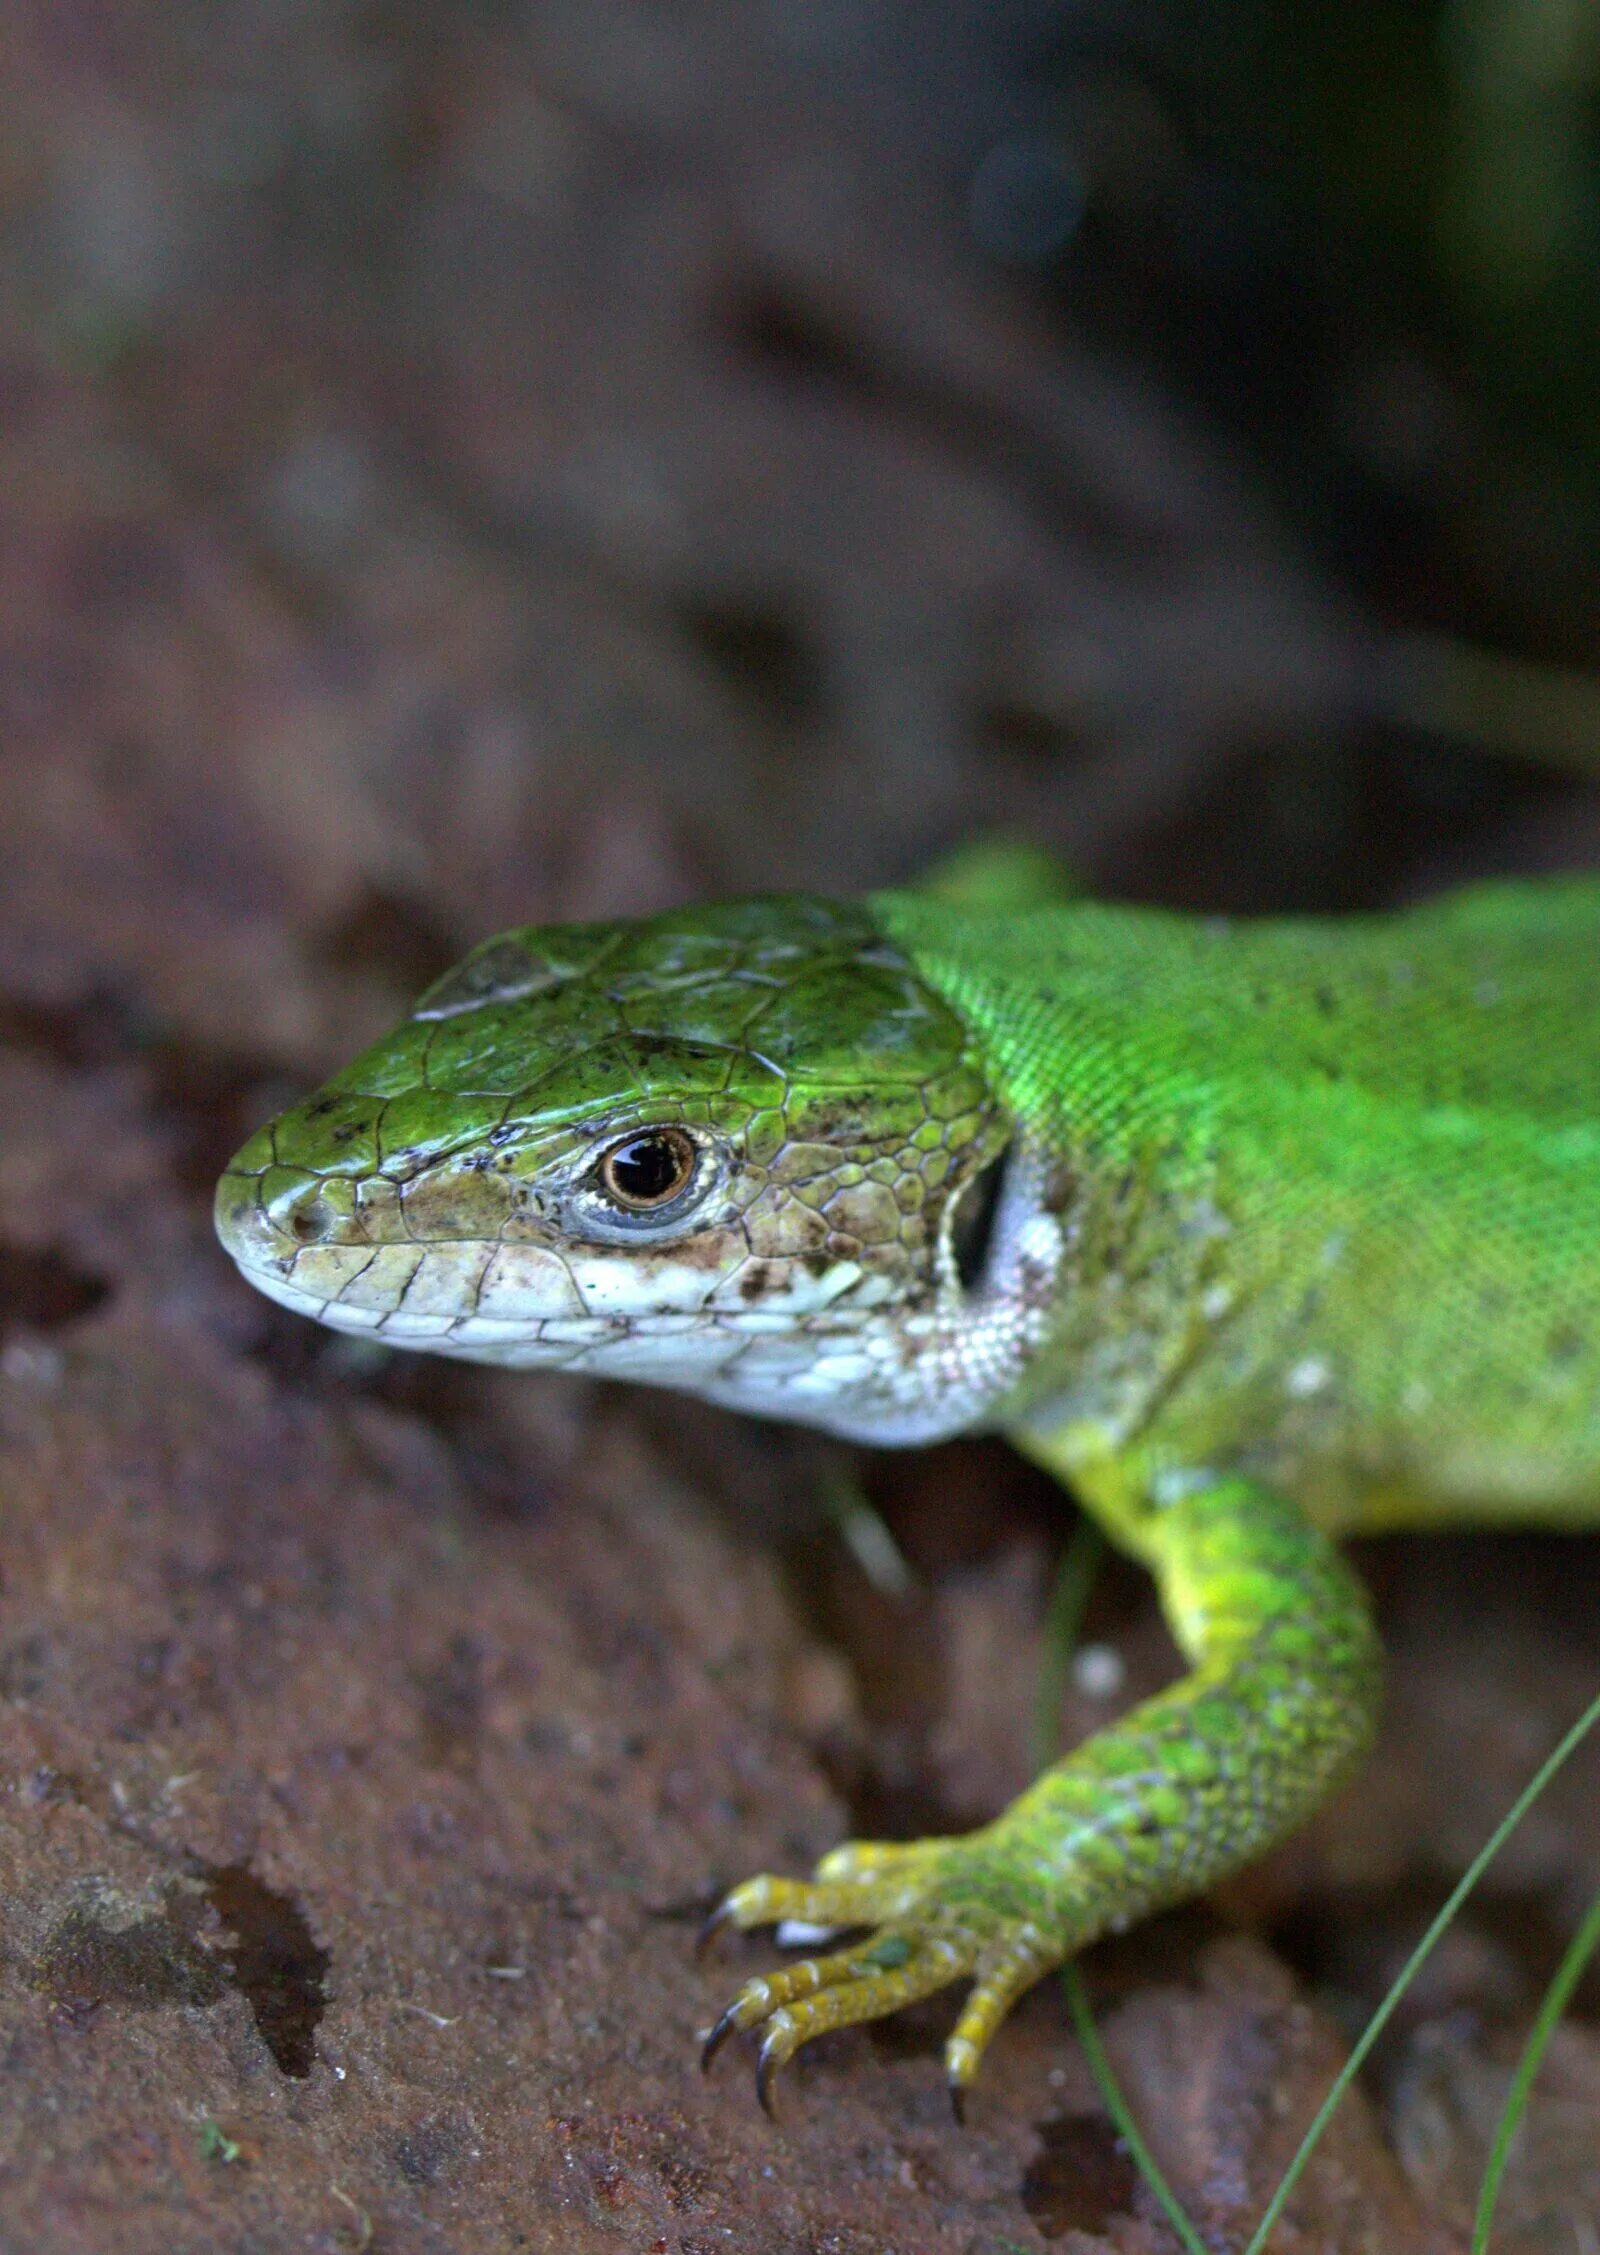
pixel 940 1910
pixel 816 1995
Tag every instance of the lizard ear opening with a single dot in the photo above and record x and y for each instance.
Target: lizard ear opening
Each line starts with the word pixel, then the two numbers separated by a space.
pixel 972 1220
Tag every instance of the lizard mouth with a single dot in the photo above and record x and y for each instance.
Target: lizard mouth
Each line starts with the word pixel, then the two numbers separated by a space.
pixel 742 1355
pixel 675 1316
pixel 462 1330
pixel 443 1298
pixel 405 1288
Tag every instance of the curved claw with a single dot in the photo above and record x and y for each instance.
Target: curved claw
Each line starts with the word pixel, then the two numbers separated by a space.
pixel 958 2101
pixel 770 2058
pixel 1002 1976
pixel 926 1905
pixel 714 1923
pixel 809 1999
pixel 722 2028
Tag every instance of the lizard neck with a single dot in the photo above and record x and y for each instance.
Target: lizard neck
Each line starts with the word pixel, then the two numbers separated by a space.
pixel 1142 1284
pixel 1092 1296
pixel 904 1376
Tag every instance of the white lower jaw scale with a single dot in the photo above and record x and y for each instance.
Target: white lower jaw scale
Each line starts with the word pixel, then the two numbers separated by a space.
pixel 806 1351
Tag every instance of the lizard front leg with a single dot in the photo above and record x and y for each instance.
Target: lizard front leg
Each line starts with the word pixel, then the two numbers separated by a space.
pixel 1282 1697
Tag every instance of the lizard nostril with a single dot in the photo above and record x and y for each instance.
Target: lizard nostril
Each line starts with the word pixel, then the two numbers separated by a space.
pixel 311 1223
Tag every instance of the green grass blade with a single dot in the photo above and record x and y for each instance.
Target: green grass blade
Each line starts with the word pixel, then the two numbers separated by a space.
pixel 1064 1619
pixel 1556 1998
pixel 1414 1964
pixel 1080 1563
pixel 863 1530
pixel 1117 2107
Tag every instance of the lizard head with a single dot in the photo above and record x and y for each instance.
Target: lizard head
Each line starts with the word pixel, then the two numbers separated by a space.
pixel 745 1151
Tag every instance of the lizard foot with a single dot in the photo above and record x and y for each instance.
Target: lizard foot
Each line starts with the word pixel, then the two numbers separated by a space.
pixel 939 1910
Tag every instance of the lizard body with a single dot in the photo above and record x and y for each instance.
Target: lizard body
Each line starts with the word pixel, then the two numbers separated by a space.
pixel 1254 1233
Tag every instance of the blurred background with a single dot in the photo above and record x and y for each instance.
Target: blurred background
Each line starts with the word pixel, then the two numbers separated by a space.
pixel 475 461
pixel 470 461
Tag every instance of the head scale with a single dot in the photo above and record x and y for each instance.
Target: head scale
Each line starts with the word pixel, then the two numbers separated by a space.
pixel 730 1149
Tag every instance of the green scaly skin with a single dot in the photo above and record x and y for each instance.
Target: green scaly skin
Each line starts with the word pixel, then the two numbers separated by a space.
pixel 1255 1234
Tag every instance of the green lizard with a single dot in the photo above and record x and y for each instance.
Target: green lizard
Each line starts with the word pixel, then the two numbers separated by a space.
pixel 1254 1233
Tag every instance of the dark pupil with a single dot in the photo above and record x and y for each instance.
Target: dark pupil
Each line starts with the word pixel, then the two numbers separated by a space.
pixel 648 1169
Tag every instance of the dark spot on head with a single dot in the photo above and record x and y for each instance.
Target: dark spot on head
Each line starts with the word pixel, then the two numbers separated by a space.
pixel 320 1110
pixel 311 1223
pixel 836 1119
pixel 1566 1344
pixel 757 1278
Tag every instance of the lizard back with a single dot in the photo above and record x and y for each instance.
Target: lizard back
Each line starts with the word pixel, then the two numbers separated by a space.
pixel 1371 1146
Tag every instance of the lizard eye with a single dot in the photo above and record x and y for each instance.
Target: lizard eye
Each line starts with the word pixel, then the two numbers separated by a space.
pixel 647 1171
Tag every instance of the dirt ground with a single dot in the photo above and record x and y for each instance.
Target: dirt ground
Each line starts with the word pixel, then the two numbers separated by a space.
pixel 463 465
